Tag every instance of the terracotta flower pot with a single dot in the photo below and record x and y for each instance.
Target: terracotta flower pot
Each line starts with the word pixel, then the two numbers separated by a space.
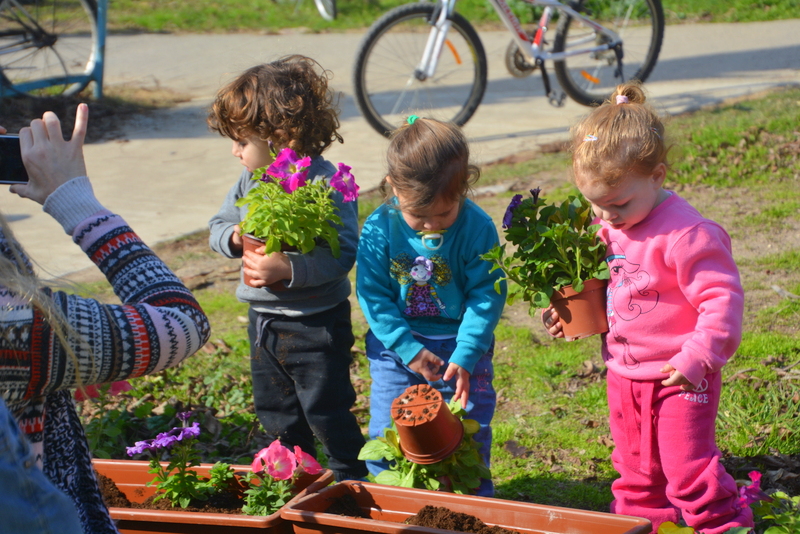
pixel 582 314
pixel 250 242
pixel 428 430
pixel 389 506
pixel 130 476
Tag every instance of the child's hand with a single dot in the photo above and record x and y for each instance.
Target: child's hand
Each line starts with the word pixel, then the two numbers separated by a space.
pixel 427 364
pixel 236 243
pixel 551 322
pixel 266 270
pixel 462 382
pixel 676 378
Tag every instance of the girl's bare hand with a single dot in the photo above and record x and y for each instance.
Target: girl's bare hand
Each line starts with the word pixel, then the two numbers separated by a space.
pixel 427 364
pixel 551 322
pixel 462 382
pixel 676 378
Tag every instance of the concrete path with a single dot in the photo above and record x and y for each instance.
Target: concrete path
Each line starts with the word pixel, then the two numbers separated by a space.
pixel 169 175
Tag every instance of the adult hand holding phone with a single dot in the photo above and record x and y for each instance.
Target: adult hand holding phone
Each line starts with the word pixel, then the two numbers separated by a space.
pixel 49 159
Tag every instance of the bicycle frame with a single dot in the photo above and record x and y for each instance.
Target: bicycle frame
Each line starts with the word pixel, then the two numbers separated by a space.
pixel 532 47
pixel 98 54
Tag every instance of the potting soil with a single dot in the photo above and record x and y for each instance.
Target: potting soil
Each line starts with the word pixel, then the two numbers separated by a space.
pixel 441 517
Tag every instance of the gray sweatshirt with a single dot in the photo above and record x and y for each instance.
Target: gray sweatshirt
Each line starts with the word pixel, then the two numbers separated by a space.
pixel 319 281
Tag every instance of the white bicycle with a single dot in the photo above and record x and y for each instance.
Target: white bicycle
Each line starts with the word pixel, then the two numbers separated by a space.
pixel 425 58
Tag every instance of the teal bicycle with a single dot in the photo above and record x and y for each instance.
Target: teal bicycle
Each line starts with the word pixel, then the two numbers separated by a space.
pixel 51 47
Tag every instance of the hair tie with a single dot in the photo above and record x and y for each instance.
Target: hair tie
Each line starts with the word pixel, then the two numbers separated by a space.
pixel 411 119
pixel 655 131
pixel 590 137
pixel 622 99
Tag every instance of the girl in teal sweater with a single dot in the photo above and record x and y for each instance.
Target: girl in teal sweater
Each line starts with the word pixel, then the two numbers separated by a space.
pixel 429 298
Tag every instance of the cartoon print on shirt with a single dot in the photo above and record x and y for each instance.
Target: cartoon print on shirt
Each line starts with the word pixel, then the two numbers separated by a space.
pixel 422 275
pixel 628 297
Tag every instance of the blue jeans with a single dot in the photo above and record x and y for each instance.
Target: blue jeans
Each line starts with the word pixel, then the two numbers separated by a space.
pixel 391 377
pixel 29 502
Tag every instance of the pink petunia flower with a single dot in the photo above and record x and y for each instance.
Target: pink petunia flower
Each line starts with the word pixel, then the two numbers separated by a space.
pixel 752 493
pixel 344 182
pixel 290 169
pixel 306 462
pixel 277 460
pixel 93 392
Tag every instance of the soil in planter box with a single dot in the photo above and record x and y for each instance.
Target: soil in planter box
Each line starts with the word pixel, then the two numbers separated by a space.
pixel 346 505
pixel 440 517
pixel 223 503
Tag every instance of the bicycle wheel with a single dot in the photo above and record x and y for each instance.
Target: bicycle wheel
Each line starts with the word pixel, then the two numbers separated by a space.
pixel 387 87
pixel 590 78
pixel 326 8
pixel 47 46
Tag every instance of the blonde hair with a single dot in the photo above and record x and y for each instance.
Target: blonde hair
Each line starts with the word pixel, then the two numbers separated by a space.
pixel 19 280
pixel 289 94
pixel 428 160
pixel 618 138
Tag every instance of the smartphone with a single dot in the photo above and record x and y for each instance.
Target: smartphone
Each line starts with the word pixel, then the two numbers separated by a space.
pixel 12 171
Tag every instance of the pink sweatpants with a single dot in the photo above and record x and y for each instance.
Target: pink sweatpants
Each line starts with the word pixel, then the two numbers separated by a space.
pixel 667 457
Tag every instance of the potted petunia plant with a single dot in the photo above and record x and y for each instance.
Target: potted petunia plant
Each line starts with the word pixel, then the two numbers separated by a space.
pixel 558 260
pixel 288 211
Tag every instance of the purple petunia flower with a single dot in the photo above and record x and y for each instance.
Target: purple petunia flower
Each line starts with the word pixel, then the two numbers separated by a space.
pixel 509 216
pixel 139 447
pixel 165 440
pixel 184 416
pixel 752 493
pixel 535 194
pixel 189 432
pixel 344 182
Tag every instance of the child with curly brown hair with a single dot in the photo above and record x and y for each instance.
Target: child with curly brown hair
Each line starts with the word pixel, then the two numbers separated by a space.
pixel 300 332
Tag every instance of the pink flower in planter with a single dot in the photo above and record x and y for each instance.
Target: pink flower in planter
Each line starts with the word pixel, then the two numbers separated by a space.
pixel 306 462
pixel 93 392
pixel 278 461
pixel 344 182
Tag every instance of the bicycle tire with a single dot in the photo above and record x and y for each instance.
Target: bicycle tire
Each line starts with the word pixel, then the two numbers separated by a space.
pixel 386 88
pixel 47 47
pixel 326 8
pixel 589 79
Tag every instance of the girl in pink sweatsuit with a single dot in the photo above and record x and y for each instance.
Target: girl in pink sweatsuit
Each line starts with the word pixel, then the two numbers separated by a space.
pixel 675 317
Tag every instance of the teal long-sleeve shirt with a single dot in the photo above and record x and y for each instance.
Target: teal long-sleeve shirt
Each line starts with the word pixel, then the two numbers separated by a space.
pixel 404 286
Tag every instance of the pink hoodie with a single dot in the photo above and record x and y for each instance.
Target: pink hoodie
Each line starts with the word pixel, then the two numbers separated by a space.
pixel 674 295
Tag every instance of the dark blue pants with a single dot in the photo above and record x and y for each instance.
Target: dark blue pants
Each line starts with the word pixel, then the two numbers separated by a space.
pixel 391 377
pixel 301 384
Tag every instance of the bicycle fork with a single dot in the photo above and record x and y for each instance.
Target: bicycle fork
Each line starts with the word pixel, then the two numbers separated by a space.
pixel 440 25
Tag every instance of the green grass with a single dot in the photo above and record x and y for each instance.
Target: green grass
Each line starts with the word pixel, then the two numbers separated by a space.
pixel 274 15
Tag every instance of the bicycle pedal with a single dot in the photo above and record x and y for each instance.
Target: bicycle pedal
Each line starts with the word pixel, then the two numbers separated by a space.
pixel 556 99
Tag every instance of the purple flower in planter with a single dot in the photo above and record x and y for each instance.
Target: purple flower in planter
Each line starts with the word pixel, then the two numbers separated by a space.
pixel 184 416
pixel 165 440
pixel 509 216
pixel 344 182
pixel 189 432
pixel 535 194
pixel 139 447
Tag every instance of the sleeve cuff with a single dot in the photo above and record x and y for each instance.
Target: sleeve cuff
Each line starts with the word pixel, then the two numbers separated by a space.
pixel 72 203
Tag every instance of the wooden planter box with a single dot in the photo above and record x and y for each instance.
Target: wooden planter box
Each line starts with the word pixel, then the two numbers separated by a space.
pixel 131 476
pixel 389 506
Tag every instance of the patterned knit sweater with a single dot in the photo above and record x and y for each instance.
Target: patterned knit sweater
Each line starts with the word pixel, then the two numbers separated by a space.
pixel 158 325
